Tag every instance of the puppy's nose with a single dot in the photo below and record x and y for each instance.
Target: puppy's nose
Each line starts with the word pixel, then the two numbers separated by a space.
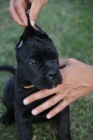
pixel 52 74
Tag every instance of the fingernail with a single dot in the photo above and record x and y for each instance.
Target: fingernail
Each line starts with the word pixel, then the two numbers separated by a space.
pixel 49 116
pixel 25 102
pixel 34 112
pixel 32 23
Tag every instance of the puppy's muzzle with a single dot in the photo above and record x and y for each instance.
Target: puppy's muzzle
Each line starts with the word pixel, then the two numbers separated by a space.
pixel 52 74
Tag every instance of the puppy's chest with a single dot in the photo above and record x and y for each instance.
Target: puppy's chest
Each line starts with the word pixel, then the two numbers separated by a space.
pixel 26 110
pixel 34 119
pixel 26 113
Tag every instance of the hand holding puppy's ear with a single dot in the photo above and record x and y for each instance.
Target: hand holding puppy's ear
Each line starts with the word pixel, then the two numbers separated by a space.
pixel 35 9
pixel 18 10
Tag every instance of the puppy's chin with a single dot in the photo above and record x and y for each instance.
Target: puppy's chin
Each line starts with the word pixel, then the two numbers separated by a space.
pixel 48 85
pixel 44 83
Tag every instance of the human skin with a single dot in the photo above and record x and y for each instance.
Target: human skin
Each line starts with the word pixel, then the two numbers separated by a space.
pixel 77 82
pixel 18 10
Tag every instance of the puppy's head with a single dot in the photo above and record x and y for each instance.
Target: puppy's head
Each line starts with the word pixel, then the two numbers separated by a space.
pixel 38 59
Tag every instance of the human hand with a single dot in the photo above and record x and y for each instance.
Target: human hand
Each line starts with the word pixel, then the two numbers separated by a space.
pixel 77 82
pixel 18 10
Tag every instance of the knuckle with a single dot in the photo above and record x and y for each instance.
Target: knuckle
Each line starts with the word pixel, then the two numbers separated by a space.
pixel 39 109
pixel 33 97
pixel 56 111
pixel 17 5
pixel 10 10
pixel 61 106
pixel 71 59
pixel 53 102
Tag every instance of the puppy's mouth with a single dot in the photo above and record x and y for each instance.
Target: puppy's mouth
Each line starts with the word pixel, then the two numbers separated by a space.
pixel 31 86
pixel 41 85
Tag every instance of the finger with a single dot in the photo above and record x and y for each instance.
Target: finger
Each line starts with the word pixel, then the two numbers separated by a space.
pixel 62 63
pixel 21 13
pixel 64 103
pixel 58 108
pixel 39 95
pixel 14 14
pixel 49 103
pixel 16 17
pixel 34 11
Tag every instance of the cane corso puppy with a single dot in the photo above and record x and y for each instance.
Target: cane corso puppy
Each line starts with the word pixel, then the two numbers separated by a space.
pixel 37 64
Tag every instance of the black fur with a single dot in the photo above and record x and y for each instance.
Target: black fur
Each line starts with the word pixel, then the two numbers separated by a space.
pixel 37 60
pixel 8 68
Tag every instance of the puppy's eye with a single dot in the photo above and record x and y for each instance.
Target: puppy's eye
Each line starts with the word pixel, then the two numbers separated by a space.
pixel 33 61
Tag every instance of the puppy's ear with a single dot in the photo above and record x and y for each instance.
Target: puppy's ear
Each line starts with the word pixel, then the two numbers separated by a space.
pixel 32 31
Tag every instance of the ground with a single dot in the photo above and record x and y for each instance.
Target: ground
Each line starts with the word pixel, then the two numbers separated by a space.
pixel 70 25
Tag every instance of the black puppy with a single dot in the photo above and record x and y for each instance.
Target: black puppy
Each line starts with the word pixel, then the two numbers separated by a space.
pixel 37 61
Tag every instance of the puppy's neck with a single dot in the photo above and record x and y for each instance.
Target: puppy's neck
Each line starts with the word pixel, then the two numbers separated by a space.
pixel 21 78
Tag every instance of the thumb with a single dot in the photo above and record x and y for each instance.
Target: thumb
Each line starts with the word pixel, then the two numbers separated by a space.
pixel 63 63
pixel 34 11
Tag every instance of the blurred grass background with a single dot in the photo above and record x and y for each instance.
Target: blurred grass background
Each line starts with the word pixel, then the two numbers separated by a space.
pixel 70 24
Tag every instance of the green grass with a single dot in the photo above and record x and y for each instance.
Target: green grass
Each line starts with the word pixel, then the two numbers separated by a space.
pixel 70 24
